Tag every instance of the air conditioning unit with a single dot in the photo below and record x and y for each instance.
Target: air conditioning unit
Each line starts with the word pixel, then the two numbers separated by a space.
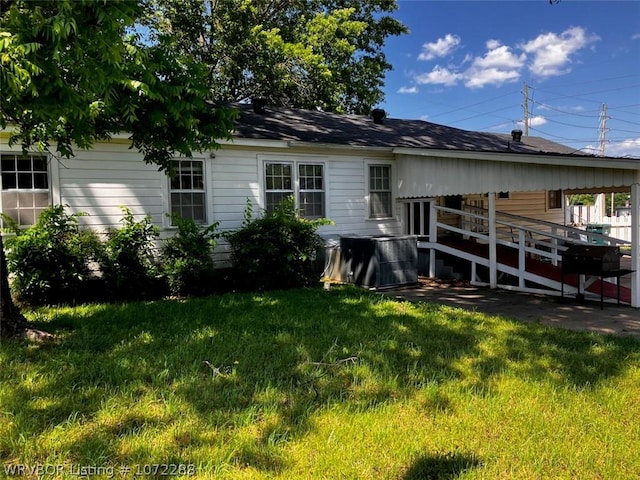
pixel 379 261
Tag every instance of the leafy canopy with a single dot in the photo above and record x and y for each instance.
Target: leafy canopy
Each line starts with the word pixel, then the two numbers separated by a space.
pixel 77 71
pixel 306 54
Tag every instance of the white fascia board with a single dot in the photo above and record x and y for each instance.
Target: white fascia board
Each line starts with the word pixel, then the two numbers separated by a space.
pixel 541 159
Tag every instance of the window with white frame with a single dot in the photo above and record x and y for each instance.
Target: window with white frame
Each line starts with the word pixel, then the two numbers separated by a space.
pixel 278 178
pixel 25 187
pixel 311 190
pixel 380 191
pixel 187 190
pixel 305 181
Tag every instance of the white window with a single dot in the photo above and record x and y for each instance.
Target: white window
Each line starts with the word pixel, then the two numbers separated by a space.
pixel 25 187
pixel 311 190
pixel 187 190
pixel 278 183
pixel 380 192
pixel 305 181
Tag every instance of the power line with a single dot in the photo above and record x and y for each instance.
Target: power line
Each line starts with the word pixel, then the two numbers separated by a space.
pixel 625 121
pixel 586 82
pixel 547 106
pixel 468 107
pixel 573 125
pixel 481 114
pixel 581 96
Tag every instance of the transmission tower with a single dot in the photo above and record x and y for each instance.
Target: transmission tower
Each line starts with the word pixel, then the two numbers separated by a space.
pixel 525 105
pixel 603 129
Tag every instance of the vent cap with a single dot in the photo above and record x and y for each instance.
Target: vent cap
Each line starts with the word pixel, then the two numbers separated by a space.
pixel 516 135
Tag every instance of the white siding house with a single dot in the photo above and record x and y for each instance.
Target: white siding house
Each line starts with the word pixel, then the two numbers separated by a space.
pixel 350 169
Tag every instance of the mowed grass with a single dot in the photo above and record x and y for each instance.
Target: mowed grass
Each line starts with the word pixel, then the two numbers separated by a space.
pixel 314 384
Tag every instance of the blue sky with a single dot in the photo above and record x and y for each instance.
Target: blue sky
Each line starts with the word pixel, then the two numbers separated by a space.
pixel 465 64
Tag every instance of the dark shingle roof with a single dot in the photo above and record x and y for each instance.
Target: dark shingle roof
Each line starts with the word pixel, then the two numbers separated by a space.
pixel 290 124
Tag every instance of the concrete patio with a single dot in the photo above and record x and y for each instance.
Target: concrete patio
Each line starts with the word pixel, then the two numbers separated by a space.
pixel 564 313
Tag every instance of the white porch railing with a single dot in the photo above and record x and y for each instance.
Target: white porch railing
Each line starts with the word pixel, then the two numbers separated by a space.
pixel 527 237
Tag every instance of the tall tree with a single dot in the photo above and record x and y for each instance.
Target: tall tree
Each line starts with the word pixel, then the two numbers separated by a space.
pixel 324 54
pixel 73 72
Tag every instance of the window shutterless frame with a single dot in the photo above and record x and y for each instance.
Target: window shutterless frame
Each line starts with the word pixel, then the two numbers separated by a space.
pixel 380 191
pixel 279 183
pixel 187 194
pixel 304 180
pixel 25 187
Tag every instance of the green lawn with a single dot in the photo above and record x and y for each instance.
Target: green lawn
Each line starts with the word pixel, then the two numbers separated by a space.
pixel 314 384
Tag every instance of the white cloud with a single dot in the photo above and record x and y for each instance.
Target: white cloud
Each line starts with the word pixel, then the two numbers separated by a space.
pixel 537 121
pixel 497 66
pixel 409 90
pixel 490 76
pixel 561 108
pixel 552 53
pixel 635 36
pixel 499 56
pixel 439 76
pixel 626 148
pixel 440 48
pixel 493 44
pixel 533 121
pixel 547 55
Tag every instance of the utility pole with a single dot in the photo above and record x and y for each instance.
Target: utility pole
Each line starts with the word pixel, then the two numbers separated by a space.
pixel 525 105
pixel 603 128
pixel 603 141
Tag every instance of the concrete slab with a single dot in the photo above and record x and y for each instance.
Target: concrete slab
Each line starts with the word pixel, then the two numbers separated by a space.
pixel 567 313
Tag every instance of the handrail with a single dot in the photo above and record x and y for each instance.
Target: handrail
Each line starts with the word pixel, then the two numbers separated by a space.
pixel 554 227
pixel 523 245
pixel 528 238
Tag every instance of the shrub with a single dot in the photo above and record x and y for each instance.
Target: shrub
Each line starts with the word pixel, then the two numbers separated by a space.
pixel 187 257
pixel 50 261
pixel 277 250
pixel 129 265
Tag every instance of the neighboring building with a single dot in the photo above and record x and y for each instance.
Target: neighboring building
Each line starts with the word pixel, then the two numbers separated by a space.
pixel 370 176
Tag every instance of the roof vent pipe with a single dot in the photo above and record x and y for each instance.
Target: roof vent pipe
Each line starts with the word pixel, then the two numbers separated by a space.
pixel 378 115
pixel 259 105
pixel 516 135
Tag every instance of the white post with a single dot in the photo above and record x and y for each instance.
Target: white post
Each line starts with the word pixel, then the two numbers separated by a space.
pixel 433 237
pixel 635 243
pixel 493 254
pixel 522 258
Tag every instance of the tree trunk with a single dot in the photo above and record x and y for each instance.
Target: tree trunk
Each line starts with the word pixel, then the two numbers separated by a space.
pixel 12 322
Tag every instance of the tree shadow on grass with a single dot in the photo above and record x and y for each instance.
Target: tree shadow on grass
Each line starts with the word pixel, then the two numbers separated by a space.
pixel 274 359
pixel 448 466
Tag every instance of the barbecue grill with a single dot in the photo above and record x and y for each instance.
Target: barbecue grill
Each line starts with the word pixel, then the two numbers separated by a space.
pixel 594 260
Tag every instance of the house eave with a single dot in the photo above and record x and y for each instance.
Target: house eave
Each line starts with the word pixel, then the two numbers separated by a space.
pixel 530 158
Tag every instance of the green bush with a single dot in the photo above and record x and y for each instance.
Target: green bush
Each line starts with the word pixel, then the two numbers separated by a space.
pixel 277 250
pixel 187 258
pixel 129 266
pixel 50 262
